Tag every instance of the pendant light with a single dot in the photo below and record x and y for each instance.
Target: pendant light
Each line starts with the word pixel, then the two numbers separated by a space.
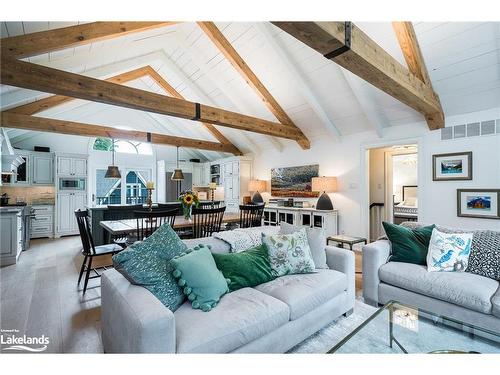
pixel 113 171
pixel 177 175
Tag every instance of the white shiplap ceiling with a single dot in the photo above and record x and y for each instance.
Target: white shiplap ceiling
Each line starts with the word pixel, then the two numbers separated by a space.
pixel 323 99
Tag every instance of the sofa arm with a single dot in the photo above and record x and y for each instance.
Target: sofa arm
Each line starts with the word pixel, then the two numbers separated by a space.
pixel 375 255
pixel 342 260
pixel 134 320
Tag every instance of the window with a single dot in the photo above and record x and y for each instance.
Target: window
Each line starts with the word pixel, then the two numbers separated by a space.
pixel 126 147
pixel 109 191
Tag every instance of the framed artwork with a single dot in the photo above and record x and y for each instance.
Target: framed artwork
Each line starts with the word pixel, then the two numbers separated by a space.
pixel 294 181
pixel 449 167
pixel 478 203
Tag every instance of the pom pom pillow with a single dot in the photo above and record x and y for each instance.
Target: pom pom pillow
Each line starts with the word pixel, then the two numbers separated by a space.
pixel 289 253
pixel 449 251
pixel 199 278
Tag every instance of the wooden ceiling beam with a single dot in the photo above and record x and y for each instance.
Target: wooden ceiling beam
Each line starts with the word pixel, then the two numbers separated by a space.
pixel 55 100
pixel 172 91
pixel 36 77
pixel 362 56
pixel 225 47
pixel 21 121
pixel 52 40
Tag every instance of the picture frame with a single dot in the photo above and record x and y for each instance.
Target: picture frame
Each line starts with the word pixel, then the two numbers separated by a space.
pixel 478 203
pixel 455 166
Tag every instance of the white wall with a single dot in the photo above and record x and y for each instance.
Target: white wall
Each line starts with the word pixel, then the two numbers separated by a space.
pixel 348 160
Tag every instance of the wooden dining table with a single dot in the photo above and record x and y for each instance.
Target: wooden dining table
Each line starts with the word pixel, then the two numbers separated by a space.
pixel 126 226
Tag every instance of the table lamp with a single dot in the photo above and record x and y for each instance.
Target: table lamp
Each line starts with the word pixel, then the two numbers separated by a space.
pixel 326 185
pixel 255 186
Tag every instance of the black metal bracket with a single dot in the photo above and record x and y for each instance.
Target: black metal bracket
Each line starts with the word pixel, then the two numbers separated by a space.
pixel 148 136
pixel 347 42
pixel 197 115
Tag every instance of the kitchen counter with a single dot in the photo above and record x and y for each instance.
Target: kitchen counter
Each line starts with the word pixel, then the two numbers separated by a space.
pixel 11 208
pixel 11 234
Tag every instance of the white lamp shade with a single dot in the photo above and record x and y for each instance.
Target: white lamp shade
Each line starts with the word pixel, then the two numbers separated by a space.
pixel 257 185
pixel 326 184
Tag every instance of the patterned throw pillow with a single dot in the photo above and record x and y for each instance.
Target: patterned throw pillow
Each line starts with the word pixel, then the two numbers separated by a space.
pixel 448 251
pixel 485 256
pixel 146 264
pixel 289 253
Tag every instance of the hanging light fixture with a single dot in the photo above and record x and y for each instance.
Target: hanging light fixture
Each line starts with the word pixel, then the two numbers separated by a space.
pixel 177 175
pixel 113 171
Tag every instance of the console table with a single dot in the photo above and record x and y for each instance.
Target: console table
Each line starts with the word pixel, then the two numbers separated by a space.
pixel 307 217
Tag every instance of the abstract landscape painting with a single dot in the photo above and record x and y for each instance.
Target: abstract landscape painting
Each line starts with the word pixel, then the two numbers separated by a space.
pixel 294 181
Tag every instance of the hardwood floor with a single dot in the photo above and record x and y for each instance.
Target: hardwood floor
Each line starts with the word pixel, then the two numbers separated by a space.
pixel 39 296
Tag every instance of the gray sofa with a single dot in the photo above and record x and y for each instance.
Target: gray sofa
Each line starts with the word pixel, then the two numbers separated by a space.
pixel 464 296
pixel 270 318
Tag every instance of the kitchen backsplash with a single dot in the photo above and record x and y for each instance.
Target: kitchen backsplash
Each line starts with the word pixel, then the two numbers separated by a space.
pixel 30 195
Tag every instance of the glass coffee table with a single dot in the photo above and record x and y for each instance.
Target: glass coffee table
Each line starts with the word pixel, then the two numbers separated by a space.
pixel 399 328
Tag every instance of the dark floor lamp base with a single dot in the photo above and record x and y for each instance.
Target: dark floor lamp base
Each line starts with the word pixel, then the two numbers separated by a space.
pixel 257 198
pixel 324 202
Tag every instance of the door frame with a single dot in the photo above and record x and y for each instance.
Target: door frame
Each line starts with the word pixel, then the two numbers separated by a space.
pixel 365 175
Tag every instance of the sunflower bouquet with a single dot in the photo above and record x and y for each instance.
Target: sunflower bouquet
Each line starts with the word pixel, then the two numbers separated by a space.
pixel 188 198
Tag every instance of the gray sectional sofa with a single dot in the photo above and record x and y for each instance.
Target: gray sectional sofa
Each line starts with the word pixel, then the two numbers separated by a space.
pixel 464 296
pixel 270 318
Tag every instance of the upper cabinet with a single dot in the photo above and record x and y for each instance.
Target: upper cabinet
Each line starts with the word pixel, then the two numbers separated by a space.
pixel 71 166
pixel 42 169
pixel 37 169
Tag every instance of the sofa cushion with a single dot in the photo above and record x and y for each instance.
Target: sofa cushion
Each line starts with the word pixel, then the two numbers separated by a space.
pixel 304 293
pixel 316 238
pixel 485 256
pixel 408 245
pixel 495 301
pixel 460 288
pixel 216 246
pixel 239 318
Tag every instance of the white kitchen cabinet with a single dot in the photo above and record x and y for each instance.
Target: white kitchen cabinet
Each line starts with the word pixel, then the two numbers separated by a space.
pixel 197 174
pixel 11 241
pixel 42 169
pixel 42 224
pixel 72 166
pixel 66 205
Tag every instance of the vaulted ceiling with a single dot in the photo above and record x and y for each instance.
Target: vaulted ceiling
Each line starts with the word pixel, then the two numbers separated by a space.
pixel 320 97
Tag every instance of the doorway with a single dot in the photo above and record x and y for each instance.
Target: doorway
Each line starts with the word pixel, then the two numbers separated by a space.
pixel 393 186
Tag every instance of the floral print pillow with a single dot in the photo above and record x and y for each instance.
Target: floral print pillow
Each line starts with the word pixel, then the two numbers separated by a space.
pixel 449 251
pixel 289 253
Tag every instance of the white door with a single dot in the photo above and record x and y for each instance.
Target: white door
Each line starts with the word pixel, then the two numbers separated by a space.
pixel 64 212
pixel 79 167
pixel 64 166
pixel 79 201
pixel 43 170
pixel 236 188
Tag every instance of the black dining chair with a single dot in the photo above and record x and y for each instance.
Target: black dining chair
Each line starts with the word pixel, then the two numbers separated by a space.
pixel 120 212
pixel 149 221
pixel 89 251
pixel 251 215
pixel 207 221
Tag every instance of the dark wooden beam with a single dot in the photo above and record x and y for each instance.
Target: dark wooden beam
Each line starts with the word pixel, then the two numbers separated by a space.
pixel 365 58
pixel 21 121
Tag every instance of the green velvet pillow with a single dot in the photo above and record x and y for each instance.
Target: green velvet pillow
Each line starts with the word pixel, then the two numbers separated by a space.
pixel 246 269
pixel 146 264
pixel 197 274
pixel 408 245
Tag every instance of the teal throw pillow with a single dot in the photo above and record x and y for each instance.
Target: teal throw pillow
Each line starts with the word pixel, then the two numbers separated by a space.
pixel 147 264
pixel 197 274
pixel 245 269
pixel 289 253
pixel 408 245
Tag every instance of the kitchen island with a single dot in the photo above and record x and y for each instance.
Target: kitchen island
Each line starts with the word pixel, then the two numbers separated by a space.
pixel 11 234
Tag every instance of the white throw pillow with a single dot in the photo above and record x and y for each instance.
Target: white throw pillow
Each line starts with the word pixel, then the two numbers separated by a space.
pixel 448 251
pixel 317 242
